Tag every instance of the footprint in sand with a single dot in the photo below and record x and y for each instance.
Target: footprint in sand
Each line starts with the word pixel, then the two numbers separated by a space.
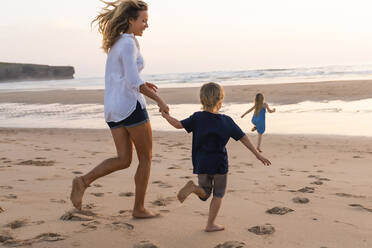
pixel 76 215
pixel 10 196
pixel 44 237
pixel 77 172
pixel 317 182
pixel 301 200
pixel 126 194
pixel 161 201
pixel 173 167
pixel 6 187
pixel 1 210
pixel 129 211
pixel 185 177
pixel 231 244
pixel 116 225
pixel 58 201
pixel 266 229
pixel 97 185
pixel 306 190
pixel 162 184
pixel 349 195
pixel 98 194
pixel 145 244
pixel 17 223
pixel 38 163
pixel 4 238
pixel 279 210
pixel 91 225
pixel 361 207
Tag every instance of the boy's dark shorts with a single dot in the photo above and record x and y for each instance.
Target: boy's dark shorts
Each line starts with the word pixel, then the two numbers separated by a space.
pixel 216 182
pixel 138 117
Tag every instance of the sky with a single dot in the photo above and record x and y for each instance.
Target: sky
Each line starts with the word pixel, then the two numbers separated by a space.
pixel 194 35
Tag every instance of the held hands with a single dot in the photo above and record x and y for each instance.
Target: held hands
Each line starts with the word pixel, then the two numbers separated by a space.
pixel 264 160
pixel 163 107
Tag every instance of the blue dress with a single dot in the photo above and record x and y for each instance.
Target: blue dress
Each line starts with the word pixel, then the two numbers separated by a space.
pixel 259 120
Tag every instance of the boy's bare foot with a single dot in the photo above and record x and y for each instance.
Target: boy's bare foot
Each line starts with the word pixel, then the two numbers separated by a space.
pixel 186 191
pixel 144 214
pixel 258 149
pixel 77 192
pixel 253 129
pixel 214 228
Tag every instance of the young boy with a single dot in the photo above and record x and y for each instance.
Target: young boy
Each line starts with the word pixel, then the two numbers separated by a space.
pixel 211 132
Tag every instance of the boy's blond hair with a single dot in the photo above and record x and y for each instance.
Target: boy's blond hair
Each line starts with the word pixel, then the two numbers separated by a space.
pixel 211 96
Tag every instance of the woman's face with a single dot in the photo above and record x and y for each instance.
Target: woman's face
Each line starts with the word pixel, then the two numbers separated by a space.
pixel 139 25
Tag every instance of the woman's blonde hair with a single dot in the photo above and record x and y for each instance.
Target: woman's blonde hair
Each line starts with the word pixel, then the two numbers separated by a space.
pixel 211 96
pixel 258 103
pixel 113 22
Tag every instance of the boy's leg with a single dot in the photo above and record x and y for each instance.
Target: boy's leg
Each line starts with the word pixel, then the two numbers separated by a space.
pixel 189 188
pixel 219 188
pixel 213 211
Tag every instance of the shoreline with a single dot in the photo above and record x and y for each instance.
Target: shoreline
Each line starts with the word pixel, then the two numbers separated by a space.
pixel 288 93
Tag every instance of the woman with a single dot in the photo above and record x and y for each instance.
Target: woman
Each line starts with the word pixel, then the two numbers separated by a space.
pixel 124 104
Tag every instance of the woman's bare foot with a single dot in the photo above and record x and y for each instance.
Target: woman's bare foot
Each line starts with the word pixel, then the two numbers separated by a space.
pixel 186 191
pixel 259 149
pixel 214 228
pixel 253 129
pixel 77 192
pixel 144 214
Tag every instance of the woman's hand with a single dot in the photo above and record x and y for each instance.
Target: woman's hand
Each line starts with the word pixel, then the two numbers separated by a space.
pixel 163 107
pixel 153 87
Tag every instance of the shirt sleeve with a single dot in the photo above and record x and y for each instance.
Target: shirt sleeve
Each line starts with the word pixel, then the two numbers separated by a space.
pixel 130 66
pixel 236 132
pixel 188 123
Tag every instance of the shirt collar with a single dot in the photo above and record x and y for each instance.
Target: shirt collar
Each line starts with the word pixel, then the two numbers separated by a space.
pixel 128 35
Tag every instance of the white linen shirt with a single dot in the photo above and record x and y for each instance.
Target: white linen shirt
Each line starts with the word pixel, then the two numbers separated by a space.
pixel 122 80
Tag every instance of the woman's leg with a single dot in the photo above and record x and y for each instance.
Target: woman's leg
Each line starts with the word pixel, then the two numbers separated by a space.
pixel 142 139
pixel 124 150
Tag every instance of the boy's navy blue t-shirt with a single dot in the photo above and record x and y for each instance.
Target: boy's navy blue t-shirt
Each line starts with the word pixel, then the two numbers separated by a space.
pixel 210 134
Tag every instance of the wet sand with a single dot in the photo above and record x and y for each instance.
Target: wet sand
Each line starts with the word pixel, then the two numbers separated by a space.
pixel 277 93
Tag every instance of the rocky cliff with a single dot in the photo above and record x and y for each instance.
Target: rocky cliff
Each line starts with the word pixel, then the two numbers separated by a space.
pixel 18 72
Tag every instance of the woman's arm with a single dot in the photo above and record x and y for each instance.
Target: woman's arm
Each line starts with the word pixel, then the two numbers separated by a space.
pixel 268 109
pixel 248 111
pixel 173 121
pixel 151 93
pixel 247 143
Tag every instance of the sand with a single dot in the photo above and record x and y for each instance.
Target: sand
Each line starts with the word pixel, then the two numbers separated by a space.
pixel 317 193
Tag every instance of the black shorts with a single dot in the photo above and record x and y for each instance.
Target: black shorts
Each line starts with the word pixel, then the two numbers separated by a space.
pixel 138 117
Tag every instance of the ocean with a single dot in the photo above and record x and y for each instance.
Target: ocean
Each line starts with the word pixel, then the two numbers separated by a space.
pixel 324 118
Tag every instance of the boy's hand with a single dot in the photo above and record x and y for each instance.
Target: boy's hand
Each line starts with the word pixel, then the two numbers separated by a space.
pixel 164 114
pixel 264 160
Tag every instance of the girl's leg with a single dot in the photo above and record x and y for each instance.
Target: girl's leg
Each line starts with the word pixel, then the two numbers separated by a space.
pixel 213 211
pixel 124 150
pixel 142 139
pixel 259 142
